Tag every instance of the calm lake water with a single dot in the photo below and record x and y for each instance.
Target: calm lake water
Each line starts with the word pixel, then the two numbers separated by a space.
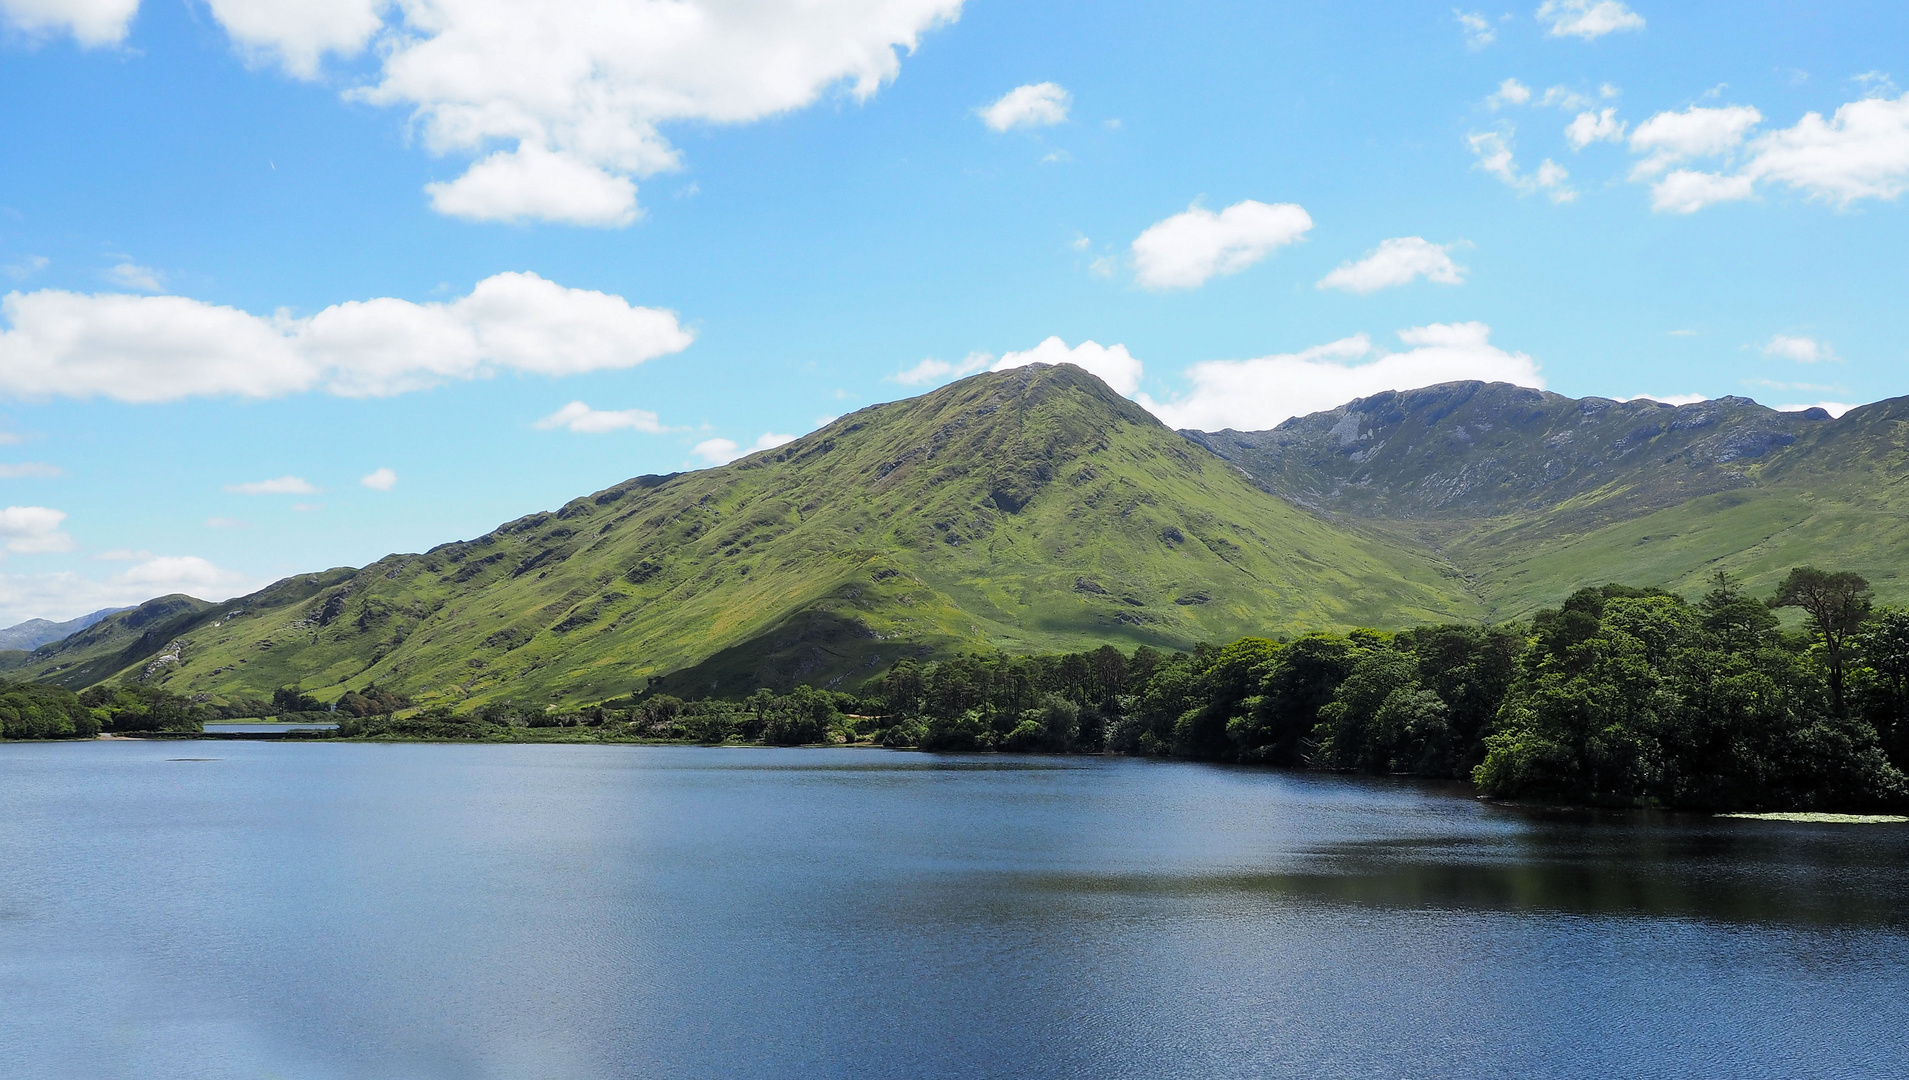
pixel 229 909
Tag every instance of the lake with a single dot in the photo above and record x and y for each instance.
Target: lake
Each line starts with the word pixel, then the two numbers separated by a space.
pixel 294 910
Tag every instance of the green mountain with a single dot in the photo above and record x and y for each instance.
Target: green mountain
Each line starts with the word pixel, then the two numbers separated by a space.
pixel 1032 509
pixel 1532 495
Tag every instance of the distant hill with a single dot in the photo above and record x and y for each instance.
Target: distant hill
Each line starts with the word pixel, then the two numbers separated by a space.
pixel 1031 509
pixel 1533 494
pixel 34 633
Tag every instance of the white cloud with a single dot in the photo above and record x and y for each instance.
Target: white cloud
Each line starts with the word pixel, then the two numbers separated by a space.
pixel 1509 92
pixel 33 530
pixel 1035 105
pixel 91 22
pixel 133 276
pixel 1671 137
pixel 1834 408
pixel 162 348
pixel 581 418
pixel 26 267
pixel 724 451
pixel 1801 349
pixel 1589 127
pixel 1685 191
pixel 1478 29
pixel 1112 364
pixel 1861 152
pixel 932 370
pixel 1397 261
pixel 1256 394
pixel 1563 97
pixel 284 485
pixel 67 595
pixel 1669 399
pixel 1587 19
pixel 298 33
pixel 1183 251
pixel 579 89
pixel 532 182
pixel 379 479
pixel 30 469
pixel 1493 149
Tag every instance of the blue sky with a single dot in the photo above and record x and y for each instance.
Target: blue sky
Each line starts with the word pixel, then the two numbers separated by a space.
pixel 254 253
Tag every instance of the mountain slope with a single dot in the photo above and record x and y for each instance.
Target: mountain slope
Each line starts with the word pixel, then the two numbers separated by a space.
pixel 34 633
pixel 1534 494
pixel 1032 509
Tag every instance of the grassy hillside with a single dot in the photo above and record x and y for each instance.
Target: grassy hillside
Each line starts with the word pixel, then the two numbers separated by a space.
pixel 1533 495
pixel 1025 510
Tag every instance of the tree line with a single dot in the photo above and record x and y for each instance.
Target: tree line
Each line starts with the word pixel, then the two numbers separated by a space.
pixel 40 711
pixel 1619 696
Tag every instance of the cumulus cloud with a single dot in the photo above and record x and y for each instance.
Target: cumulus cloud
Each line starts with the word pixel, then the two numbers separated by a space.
pixel 1035 105
pixel 1183 251
pixel 581 418
pixel 296 34
pixel 162 348
pixel 66 595
pixel 1397 261
pixel 1685 191
pixel 1803 350
pixel 1478 29
pixel 91 22
pixel 576 91
pixel 531 182
pixel 129 275
pixel 1112 364
pixel 1252 395
pixel 1509 92
pixel 33 469
pixel 284 485
pixel 33 530
pixel 380 479
pixel 724 451
pixel 1589 127
pixel 1861 152
pixel 1493 150
pixel 1672 137
pixel 1587 19
pixel 932 370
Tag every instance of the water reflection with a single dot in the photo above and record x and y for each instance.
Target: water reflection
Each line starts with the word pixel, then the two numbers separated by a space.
pixel 1584 863
pixel 509 912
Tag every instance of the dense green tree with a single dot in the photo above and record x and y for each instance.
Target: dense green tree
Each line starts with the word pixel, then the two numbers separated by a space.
pixel 1837 604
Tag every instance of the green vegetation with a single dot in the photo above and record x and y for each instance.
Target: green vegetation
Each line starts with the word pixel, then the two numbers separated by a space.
pixel 1032 510
pixel 38 711
pixel 1621 696
pixel 1532 495
pixel 1036 513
